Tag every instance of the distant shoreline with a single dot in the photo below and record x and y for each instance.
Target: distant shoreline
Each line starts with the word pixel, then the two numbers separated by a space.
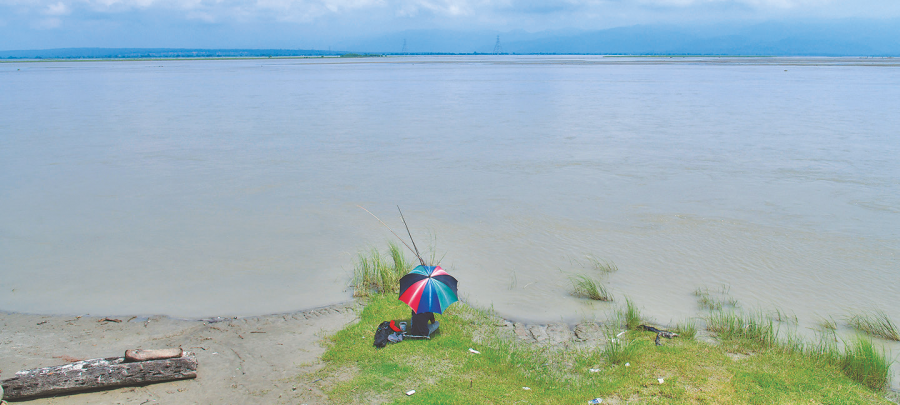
pixel 608 59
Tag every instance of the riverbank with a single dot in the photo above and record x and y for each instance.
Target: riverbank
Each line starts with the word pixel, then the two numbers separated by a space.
pixel 260 359
pixel 325 356
pixel 478 357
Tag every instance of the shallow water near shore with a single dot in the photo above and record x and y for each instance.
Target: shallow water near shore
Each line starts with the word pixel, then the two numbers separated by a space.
pixel 210 187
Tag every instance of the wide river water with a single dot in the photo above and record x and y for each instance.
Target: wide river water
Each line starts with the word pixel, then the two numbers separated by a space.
pixel 198 188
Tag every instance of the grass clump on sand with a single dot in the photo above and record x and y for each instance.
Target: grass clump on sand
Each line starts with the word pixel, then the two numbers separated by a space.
pixel 443 370
pixel 875 324
pixel 379 273
pixel 584 286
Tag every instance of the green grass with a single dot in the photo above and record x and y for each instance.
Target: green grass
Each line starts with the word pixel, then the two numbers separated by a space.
pixel 754 330
pixel 826 324
pixel 779 315
pixel 442 371
pixel 715 300
pixel 379 273
pixel 858 359
pixel 584 286
pixel 630 315
pixel 601 265
pixel 875 324
pixel 862 362
pixel 686 329
pixel 619 350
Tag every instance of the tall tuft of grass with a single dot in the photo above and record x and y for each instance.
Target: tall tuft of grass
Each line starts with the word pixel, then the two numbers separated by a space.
pixel 758 329
pixel 875 324
pixel 584 286
pixel 377 273
pixel 687 329
pixel 618 350
pixel 865 364
pixel 631 315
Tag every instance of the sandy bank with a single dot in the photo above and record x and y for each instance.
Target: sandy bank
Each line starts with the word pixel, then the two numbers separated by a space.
pixel 244 360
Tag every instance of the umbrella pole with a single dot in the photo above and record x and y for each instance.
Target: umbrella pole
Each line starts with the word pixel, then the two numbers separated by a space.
pixel 410 236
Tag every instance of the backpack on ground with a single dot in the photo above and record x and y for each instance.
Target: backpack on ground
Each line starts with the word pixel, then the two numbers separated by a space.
pixel 381 334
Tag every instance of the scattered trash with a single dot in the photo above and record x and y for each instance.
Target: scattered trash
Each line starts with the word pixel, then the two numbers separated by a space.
pixel 660 380
pixel 410 392
pixel 620 333
pixel 627 364
pixel 526 388
pixel 596 401
pixel 595 370
pixel 473 351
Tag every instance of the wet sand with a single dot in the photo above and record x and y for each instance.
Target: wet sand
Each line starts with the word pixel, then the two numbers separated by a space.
pixel 264 359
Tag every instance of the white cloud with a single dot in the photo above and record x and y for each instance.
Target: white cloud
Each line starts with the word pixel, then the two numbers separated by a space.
pixel 510 14
pixel 762 4
pixel 59 8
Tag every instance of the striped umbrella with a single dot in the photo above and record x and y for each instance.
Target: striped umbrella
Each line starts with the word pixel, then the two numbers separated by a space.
pixel 428 289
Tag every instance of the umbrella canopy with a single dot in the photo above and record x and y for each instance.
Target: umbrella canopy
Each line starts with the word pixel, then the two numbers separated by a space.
pixel 428 289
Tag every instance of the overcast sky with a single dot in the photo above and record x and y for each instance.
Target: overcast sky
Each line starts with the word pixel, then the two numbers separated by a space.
pixel 308 24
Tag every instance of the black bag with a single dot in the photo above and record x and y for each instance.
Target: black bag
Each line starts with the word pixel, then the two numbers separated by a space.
pixel 381 334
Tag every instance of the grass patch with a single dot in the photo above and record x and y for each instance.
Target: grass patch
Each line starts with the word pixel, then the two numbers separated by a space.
pixel 619 350
pixel 630 315
pixel 379 273
pixel 715 300
pixel 588 287
pixel 864 363
pixel 858 359
pixel 875 324
pixel 686 329
pixel 754 330
pixel 442 370
pixel 584 286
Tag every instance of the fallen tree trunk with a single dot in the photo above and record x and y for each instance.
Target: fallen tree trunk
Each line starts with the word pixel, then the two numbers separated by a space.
pixel 97 374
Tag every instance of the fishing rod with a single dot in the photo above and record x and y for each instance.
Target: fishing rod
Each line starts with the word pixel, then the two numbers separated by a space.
pixel 415 252
pixel 410 236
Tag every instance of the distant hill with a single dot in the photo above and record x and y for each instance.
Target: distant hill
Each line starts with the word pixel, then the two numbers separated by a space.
pixel 833 38
pixel 816 38
pixel 131 53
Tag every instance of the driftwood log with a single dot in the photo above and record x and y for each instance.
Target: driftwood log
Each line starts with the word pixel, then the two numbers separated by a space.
pixel 97 374
pixel 157 354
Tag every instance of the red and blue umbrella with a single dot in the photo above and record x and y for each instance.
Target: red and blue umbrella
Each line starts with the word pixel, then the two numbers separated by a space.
pixel 428 289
